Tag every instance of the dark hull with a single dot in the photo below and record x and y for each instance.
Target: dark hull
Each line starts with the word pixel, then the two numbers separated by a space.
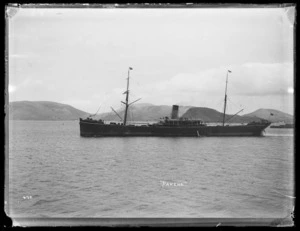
pixel 88 129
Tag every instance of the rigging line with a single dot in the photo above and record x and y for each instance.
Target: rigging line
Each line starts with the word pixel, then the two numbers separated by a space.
pixel 234 103
pixel 133 95
pixel 103 103
pixel 131 111
pixel 219 104
pixel 116 113
pixel 98 109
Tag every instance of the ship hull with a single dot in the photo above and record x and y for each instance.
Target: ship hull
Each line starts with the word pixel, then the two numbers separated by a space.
pixel 106 130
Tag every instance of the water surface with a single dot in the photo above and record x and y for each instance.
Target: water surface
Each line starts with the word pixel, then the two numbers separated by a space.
pixel 53 172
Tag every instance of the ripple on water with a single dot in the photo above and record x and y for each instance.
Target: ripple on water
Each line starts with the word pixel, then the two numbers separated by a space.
pixel 70 176
pixel 43 201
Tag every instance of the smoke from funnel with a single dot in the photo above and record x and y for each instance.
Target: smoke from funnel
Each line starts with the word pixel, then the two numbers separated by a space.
pixel 174 114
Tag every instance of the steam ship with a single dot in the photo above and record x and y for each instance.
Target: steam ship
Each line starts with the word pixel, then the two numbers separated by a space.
pixel 168 127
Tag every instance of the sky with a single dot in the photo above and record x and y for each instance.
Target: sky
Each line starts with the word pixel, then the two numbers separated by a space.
pixel 81 57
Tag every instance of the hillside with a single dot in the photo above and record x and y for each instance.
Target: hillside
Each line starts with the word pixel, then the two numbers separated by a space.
pixel 43 110
pixel 272 115
pixel 211 115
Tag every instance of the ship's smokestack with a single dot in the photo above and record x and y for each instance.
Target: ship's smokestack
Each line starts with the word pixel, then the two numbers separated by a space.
pixel 174 114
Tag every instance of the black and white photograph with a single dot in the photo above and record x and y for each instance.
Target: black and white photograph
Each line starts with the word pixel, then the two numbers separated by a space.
pixel 150 114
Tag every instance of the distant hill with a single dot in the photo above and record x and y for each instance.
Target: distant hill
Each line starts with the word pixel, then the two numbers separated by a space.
pixel 211 115
pixel 143 112
pixel 43 110
pixel 46 110
pixel 272 115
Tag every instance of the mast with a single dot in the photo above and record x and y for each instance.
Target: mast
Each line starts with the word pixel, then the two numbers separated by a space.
pixel 127 95
pixel 225 99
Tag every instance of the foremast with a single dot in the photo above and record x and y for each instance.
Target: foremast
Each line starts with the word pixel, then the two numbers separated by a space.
pixel 127 98
pixel 225 99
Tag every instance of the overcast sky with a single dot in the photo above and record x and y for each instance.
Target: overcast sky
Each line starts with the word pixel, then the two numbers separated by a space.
pixel 179 56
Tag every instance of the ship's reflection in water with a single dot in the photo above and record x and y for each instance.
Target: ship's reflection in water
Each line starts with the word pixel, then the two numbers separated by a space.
pixel 53 172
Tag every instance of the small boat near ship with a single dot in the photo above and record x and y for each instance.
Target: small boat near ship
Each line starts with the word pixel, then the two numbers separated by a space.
pixel 282 126
pixel 168 127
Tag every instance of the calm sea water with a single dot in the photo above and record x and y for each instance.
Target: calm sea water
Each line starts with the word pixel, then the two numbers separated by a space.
pixel 53 172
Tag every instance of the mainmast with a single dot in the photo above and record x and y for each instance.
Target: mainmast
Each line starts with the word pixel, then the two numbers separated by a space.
pixel 225 100
pixel 127 95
